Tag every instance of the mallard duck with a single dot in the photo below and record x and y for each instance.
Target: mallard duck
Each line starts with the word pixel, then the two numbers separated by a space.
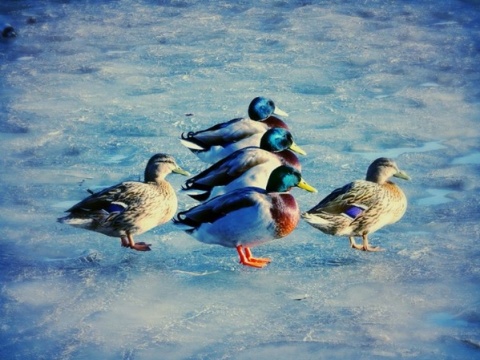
pixel 250 166
pixel 248 216
pixel 219 141
pixel 363 206
pixel 131 207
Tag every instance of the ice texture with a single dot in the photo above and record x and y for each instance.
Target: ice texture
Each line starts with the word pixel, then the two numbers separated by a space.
pixel 89 90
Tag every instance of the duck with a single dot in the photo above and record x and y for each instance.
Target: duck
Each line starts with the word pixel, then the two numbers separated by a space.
pixel 216 142
pixel 362 207
pixel 131 207
pixel 248 216
pixel 250 166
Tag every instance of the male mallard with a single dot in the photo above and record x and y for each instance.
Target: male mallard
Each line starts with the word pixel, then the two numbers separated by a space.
pixel 218 141
pixel 249 216
pixel 131 207
pixel 363 206
pixel 250 166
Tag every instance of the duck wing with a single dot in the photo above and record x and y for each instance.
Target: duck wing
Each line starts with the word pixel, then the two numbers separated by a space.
pixel 121 195
pixel 225 133
pixel 351 199
pixel 228 169
pixel 220 206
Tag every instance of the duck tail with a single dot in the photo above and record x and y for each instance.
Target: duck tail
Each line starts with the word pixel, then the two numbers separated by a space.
pixel 201 196
pixel 313 219
pixel 75 221
pixel 181 219
pixel 192 143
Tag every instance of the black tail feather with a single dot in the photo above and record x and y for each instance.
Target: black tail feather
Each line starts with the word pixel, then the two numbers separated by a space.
pixel 200 197
pixel 190 184
pixel 191 138
pixel 182 219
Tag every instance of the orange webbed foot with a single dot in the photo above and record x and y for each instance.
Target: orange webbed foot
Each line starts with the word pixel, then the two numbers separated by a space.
pixel 247 259
pixel 127 241
pixel 248 254
pixel 141 246
pixel 253 264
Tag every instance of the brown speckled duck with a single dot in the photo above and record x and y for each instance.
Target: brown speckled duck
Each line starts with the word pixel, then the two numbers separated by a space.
pixel 131 207
pixel 363 206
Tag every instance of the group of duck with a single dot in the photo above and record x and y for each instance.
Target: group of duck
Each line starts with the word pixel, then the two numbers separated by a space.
pixel 244 195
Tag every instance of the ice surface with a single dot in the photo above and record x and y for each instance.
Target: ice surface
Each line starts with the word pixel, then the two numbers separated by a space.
pixel 90 90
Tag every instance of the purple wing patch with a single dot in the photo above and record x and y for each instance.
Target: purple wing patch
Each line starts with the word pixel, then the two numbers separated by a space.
pixel 116 207
pixel 354 211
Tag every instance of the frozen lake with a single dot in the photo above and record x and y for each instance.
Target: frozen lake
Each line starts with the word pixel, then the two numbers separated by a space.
pixel 90 90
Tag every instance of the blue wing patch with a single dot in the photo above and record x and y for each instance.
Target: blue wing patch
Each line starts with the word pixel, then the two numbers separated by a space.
pixel 354 211
pixel 116 207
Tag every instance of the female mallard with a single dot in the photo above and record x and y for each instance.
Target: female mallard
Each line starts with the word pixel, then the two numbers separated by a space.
pixel 363 206
pixel 250 166
pixel 249 216
pixel 218 141
pixel 131 207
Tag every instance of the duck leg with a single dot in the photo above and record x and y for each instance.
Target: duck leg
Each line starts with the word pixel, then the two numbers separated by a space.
pixel 127 241
pixel 353 244
pixel 247 259
pixel 365 245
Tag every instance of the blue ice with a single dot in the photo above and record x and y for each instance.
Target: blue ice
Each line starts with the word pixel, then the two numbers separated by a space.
pixel 90 90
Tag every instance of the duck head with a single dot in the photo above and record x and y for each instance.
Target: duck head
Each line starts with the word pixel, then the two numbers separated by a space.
pixel 279 139
pixel 284 177
pixel 160 165
pixel 261 108
pixel 383 169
